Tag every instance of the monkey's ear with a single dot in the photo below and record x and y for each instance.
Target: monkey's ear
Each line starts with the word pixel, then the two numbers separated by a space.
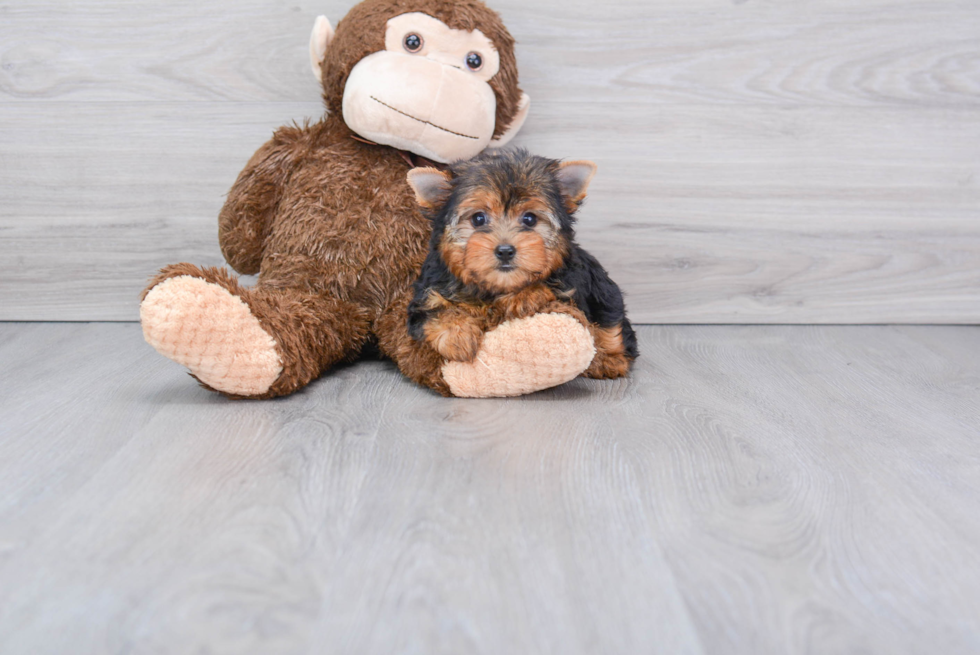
pixel 432 186
pixel 319 40
pixel 574 178
pixel 515 125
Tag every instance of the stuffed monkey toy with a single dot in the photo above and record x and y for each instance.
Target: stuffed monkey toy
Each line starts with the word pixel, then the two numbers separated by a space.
pixel 324 214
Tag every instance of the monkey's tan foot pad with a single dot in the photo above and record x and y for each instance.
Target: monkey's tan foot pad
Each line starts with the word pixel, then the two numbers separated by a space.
pixel 212 332
pixel 523 356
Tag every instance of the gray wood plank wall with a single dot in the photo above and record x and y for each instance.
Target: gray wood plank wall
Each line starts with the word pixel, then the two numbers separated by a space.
pixel 768 161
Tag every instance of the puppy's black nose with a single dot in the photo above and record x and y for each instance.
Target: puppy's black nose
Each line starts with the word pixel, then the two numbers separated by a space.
pixel 505 253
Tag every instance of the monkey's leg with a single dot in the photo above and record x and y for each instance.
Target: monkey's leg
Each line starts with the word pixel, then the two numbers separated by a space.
pixel 615 345
pixel 522 356
pixel 613 355
pixel 517 357
pixel 254 342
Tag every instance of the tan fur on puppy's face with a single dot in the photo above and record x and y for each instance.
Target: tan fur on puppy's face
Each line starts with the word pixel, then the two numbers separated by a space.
pixel 469 251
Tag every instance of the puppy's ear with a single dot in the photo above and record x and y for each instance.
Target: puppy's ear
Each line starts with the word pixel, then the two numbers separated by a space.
pixel 574 178
pixel 432 186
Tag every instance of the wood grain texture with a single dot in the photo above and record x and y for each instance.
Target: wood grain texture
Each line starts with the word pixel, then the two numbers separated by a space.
pixel 835 52
pixel 750 490
pixel 763 161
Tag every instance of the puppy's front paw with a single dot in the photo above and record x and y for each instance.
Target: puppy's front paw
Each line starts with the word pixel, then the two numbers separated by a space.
pixel 526 302
pixel 457 339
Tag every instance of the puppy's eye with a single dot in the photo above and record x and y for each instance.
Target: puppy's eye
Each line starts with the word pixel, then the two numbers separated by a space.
pixel 479 219
pixel 413 42
pixel 474 61
pixel 529 220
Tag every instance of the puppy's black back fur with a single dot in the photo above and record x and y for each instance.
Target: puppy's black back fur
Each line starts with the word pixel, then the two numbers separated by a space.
pixel 594 292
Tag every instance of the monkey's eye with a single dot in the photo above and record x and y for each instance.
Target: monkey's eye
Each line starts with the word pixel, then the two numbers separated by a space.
pixel 474 61
pixel 479 219
pixel 529 220
pixel 413 42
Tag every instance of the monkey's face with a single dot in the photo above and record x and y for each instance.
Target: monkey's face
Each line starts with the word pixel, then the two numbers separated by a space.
pixel 428 91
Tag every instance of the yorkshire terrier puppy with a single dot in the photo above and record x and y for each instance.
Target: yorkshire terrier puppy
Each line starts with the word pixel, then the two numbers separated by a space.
pixel 503 247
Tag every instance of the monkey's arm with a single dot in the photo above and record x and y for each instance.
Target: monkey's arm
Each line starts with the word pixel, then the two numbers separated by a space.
pixel 246 218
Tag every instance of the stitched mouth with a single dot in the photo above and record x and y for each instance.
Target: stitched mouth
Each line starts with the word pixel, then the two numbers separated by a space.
pixel 438 127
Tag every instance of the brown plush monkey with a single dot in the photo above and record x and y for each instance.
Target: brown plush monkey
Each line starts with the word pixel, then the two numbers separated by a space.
pixel 325 216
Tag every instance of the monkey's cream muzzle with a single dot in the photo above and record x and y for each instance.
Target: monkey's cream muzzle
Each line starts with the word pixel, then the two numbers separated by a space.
pixel 446 113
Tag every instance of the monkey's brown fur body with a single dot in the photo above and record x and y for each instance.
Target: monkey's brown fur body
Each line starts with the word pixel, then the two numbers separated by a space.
pixel 331 227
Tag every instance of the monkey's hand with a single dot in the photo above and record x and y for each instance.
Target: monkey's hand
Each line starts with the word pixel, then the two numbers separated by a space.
pixel 455 334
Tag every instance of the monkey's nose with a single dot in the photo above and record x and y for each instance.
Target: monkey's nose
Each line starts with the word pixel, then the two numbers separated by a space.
pixel 505 253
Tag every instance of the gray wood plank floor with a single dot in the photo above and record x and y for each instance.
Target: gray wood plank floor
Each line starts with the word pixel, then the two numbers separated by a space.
pixel 760 162
pixel 751 490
